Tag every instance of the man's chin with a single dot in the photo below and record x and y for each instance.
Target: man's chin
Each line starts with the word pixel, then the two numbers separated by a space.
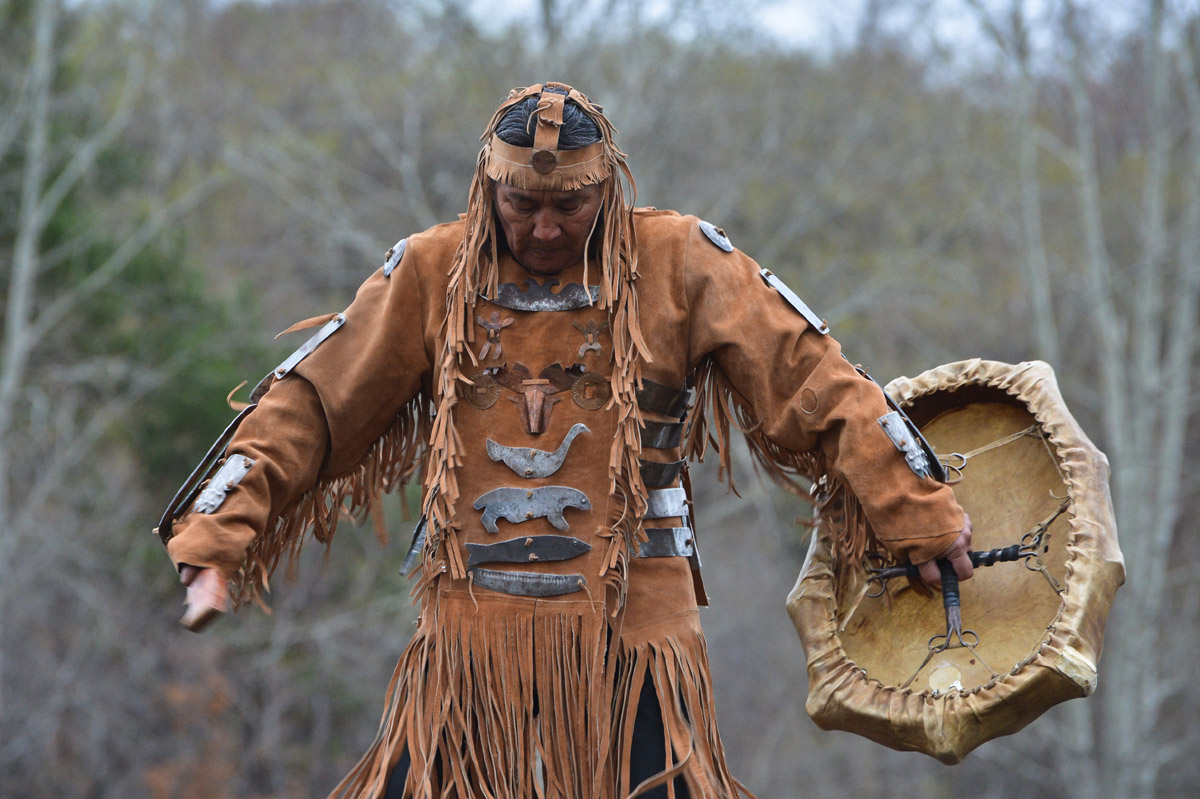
pixel 543 266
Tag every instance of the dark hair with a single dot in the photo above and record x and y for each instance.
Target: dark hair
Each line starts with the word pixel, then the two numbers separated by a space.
pixel 577 130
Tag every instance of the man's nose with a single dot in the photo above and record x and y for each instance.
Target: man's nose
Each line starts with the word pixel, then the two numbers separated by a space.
pixel 546 226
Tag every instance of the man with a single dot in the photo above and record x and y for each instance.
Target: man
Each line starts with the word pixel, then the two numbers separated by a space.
pixel 535 360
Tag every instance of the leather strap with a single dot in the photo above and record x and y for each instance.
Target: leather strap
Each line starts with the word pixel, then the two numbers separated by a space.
pixel 666 503
pixel 657 398
pixel 549 115
pixel 662 435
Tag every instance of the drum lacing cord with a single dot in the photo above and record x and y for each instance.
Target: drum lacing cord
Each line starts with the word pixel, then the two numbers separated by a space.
pixel 954 470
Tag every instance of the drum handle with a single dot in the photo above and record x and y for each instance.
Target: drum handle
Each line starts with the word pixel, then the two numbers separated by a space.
pixel 950 599
pixel 978 559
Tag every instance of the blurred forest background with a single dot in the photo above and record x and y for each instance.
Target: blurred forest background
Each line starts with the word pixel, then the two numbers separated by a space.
pixel 941 179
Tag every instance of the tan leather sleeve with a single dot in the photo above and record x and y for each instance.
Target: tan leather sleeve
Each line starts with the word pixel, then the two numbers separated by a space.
pixel 287 438
pixel 807 395
pixel 321 419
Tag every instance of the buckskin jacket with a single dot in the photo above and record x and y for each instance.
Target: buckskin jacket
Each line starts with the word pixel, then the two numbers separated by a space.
pixel 539 624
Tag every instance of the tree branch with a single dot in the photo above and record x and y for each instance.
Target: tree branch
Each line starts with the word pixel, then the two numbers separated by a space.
pixel 157 221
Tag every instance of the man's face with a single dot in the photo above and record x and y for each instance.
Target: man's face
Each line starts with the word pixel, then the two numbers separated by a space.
pixel 547 231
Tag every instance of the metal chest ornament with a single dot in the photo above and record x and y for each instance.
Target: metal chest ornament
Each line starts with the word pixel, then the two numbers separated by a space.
pixel 942 675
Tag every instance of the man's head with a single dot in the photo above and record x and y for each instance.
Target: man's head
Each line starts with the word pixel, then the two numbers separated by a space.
pixel 547 158
pixel 551 184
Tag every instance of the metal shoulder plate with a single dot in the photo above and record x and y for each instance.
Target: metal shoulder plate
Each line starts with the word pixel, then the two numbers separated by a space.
pixel 392 259
pixel 817 323
pixel 716 236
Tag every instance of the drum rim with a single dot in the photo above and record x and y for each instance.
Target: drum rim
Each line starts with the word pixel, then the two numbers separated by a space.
pixel 922 720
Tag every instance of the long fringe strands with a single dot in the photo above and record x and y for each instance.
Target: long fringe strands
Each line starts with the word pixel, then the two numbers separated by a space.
pixel 391 462
pixel 718 406
pixel 677 666
pixel 462 704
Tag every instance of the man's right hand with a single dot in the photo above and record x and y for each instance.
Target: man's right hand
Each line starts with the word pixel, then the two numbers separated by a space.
pixel 207 597
pixel 959 555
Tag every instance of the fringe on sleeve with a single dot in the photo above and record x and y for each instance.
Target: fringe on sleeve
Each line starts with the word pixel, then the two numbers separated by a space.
pixel 718 406
pixel 389 463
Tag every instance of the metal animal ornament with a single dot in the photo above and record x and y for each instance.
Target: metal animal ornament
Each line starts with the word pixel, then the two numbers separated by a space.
pixel 529 462
pixel 518 505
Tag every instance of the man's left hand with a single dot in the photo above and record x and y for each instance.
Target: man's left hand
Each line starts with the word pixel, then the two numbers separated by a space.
pixel 956 553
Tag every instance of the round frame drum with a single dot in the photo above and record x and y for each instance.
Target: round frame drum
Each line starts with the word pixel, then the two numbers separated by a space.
pixel 881 662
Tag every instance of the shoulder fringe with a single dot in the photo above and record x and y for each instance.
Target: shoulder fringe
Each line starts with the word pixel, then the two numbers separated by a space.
pixel 389 463
pixel 461 705
pixel 718 405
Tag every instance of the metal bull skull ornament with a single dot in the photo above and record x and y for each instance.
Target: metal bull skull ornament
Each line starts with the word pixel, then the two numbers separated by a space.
pixel 537 395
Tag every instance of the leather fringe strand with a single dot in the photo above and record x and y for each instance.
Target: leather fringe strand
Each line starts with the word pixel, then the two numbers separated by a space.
pixel 718 406
pixel 462 704
pixel 389 463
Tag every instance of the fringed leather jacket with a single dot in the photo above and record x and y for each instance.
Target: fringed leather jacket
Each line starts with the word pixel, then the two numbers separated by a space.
pixel 553 591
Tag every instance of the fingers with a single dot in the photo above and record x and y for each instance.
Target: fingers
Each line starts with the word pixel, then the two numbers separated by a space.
pixel 961 562
pixel 957 553
pixel 187 574
pixel 207 598
pixel 929 573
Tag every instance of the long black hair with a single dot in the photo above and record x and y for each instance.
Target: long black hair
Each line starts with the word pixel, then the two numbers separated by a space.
pixel 577 131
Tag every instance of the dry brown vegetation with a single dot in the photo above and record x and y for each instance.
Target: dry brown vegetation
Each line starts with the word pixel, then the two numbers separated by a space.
pixel 179 180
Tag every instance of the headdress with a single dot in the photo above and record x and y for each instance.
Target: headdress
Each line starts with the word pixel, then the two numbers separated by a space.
pixel 475 273
pixel 544 165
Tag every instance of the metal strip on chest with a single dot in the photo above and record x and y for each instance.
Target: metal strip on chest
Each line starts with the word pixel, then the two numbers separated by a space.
pixel 527 583
pixel 539 297
pixel 666 503
pixel 527 549
pixel 667 542
pixel 659 475
pixel 657 398
pixel 662 435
